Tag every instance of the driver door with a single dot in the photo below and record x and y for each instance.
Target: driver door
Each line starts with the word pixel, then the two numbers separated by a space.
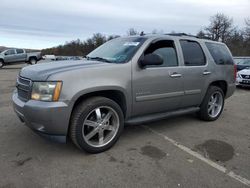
pixel 10 56
pixel 158 88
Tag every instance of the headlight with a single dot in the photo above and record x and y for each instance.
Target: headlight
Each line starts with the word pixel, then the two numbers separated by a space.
pixel 238 75
pixel 46 91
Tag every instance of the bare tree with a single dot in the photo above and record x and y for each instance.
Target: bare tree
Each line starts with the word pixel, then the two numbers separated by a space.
pixel 247 29
pixel 220 27
pixel 98 39
pixel 110 37
pixel 201 34
pixel 132 31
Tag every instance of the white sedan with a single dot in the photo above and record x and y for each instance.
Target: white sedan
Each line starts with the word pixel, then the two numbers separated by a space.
pixel 243 77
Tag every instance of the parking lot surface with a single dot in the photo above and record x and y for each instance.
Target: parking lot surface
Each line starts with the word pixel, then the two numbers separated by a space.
pixel 177 152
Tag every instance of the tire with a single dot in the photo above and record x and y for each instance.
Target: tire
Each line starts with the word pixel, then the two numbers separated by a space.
pixel 1 63
pixel 32 61
pixel 212 105
pixel 96 130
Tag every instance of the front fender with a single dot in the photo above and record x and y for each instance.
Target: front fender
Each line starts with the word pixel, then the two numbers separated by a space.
pixel 101 89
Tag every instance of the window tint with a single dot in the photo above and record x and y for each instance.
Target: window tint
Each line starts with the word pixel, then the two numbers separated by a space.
pixel 19 51
pixel 192 52
pixel 166 50
pixel 220 53
pixel 10 52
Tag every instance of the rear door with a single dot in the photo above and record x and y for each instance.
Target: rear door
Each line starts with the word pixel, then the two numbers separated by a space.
pixel 158 88
pixel 195 72
pixel 20 55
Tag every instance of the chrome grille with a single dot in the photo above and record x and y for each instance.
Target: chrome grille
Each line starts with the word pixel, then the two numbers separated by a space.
pixel 245 76
pixel 23 88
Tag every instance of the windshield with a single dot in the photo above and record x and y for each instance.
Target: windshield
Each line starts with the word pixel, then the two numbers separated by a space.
pixel 119 50
pixel 242 61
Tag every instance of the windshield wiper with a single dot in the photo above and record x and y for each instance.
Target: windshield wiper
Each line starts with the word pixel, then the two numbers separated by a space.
pixel 98 59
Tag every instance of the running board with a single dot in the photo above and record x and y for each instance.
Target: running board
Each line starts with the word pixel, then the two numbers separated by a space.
pixel 160 116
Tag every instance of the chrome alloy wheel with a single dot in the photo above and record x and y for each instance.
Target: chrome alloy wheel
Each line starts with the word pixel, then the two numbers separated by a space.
pixel 100 126
pixel 215 104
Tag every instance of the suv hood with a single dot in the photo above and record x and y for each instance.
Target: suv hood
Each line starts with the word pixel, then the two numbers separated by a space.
pixel 245 71
pixel 42 71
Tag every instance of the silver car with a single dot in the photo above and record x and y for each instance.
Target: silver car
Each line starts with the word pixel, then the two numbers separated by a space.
pixel 128 80
pixel 14 56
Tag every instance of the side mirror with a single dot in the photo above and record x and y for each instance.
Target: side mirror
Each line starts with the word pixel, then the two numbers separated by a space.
pixel 151 59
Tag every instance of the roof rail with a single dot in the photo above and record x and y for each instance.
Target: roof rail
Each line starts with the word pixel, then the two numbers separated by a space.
pixel 184 34
pixel 181 34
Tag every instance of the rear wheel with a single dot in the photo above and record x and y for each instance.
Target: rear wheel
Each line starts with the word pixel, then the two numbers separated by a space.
pixel 1 63
pixel 32 61
pixel 213 104
pixel 96 124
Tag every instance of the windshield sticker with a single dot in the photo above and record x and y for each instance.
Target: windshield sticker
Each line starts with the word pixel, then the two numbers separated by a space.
pixel 131 43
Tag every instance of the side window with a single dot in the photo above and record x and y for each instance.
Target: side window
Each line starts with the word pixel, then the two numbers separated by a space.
pixel 19 51
pixel 220 53
pixel 10 52
pixel 165 49
pixel 192 52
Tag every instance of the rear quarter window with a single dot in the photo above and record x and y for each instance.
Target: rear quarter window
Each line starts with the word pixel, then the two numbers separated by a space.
pixel 220 53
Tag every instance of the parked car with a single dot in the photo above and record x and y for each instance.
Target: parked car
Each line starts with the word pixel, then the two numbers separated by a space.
pixel 75 58
pixel 243 77
pixel 242 62
pixel 126 80
pixel 12 56
pixel 61 58
pixel 49 57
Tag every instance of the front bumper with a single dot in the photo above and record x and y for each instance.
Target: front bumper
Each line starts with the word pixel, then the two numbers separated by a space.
pixel 242 82
pixel 49 119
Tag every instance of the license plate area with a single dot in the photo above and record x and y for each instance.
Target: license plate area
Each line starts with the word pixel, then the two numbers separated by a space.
pixel 246 81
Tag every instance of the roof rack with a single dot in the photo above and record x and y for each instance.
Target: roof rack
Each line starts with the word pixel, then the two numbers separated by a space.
pixel 181 34
pixel 187 35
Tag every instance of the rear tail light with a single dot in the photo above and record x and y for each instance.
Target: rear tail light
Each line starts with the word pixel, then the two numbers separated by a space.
pixel 235 72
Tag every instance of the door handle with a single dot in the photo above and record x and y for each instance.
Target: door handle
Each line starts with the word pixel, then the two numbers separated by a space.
pixel 206 72
pixel 175 75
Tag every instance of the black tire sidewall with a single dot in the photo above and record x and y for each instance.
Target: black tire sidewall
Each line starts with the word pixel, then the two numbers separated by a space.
pixel 204 106
pixel 1 64
pixel 83 110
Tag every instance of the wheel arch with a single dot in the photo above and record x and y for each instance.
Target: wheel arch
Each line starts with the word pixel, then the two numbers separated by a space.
pixel 114 94
pixel 221 84
pixel 32 57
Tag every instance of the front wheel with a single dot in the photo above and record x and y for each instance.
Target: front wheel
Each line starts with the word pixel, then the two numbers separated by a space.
pixel 1 63
pixel 96 124
pixel 212 104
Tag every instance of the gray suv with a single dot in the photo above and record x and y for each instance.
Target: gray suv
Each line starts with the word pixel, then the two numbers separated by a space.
pixel 128 80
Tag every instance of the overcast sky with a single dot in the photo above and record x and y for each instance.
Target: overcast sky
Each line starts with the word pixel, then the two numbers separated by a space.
pixel 45 23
